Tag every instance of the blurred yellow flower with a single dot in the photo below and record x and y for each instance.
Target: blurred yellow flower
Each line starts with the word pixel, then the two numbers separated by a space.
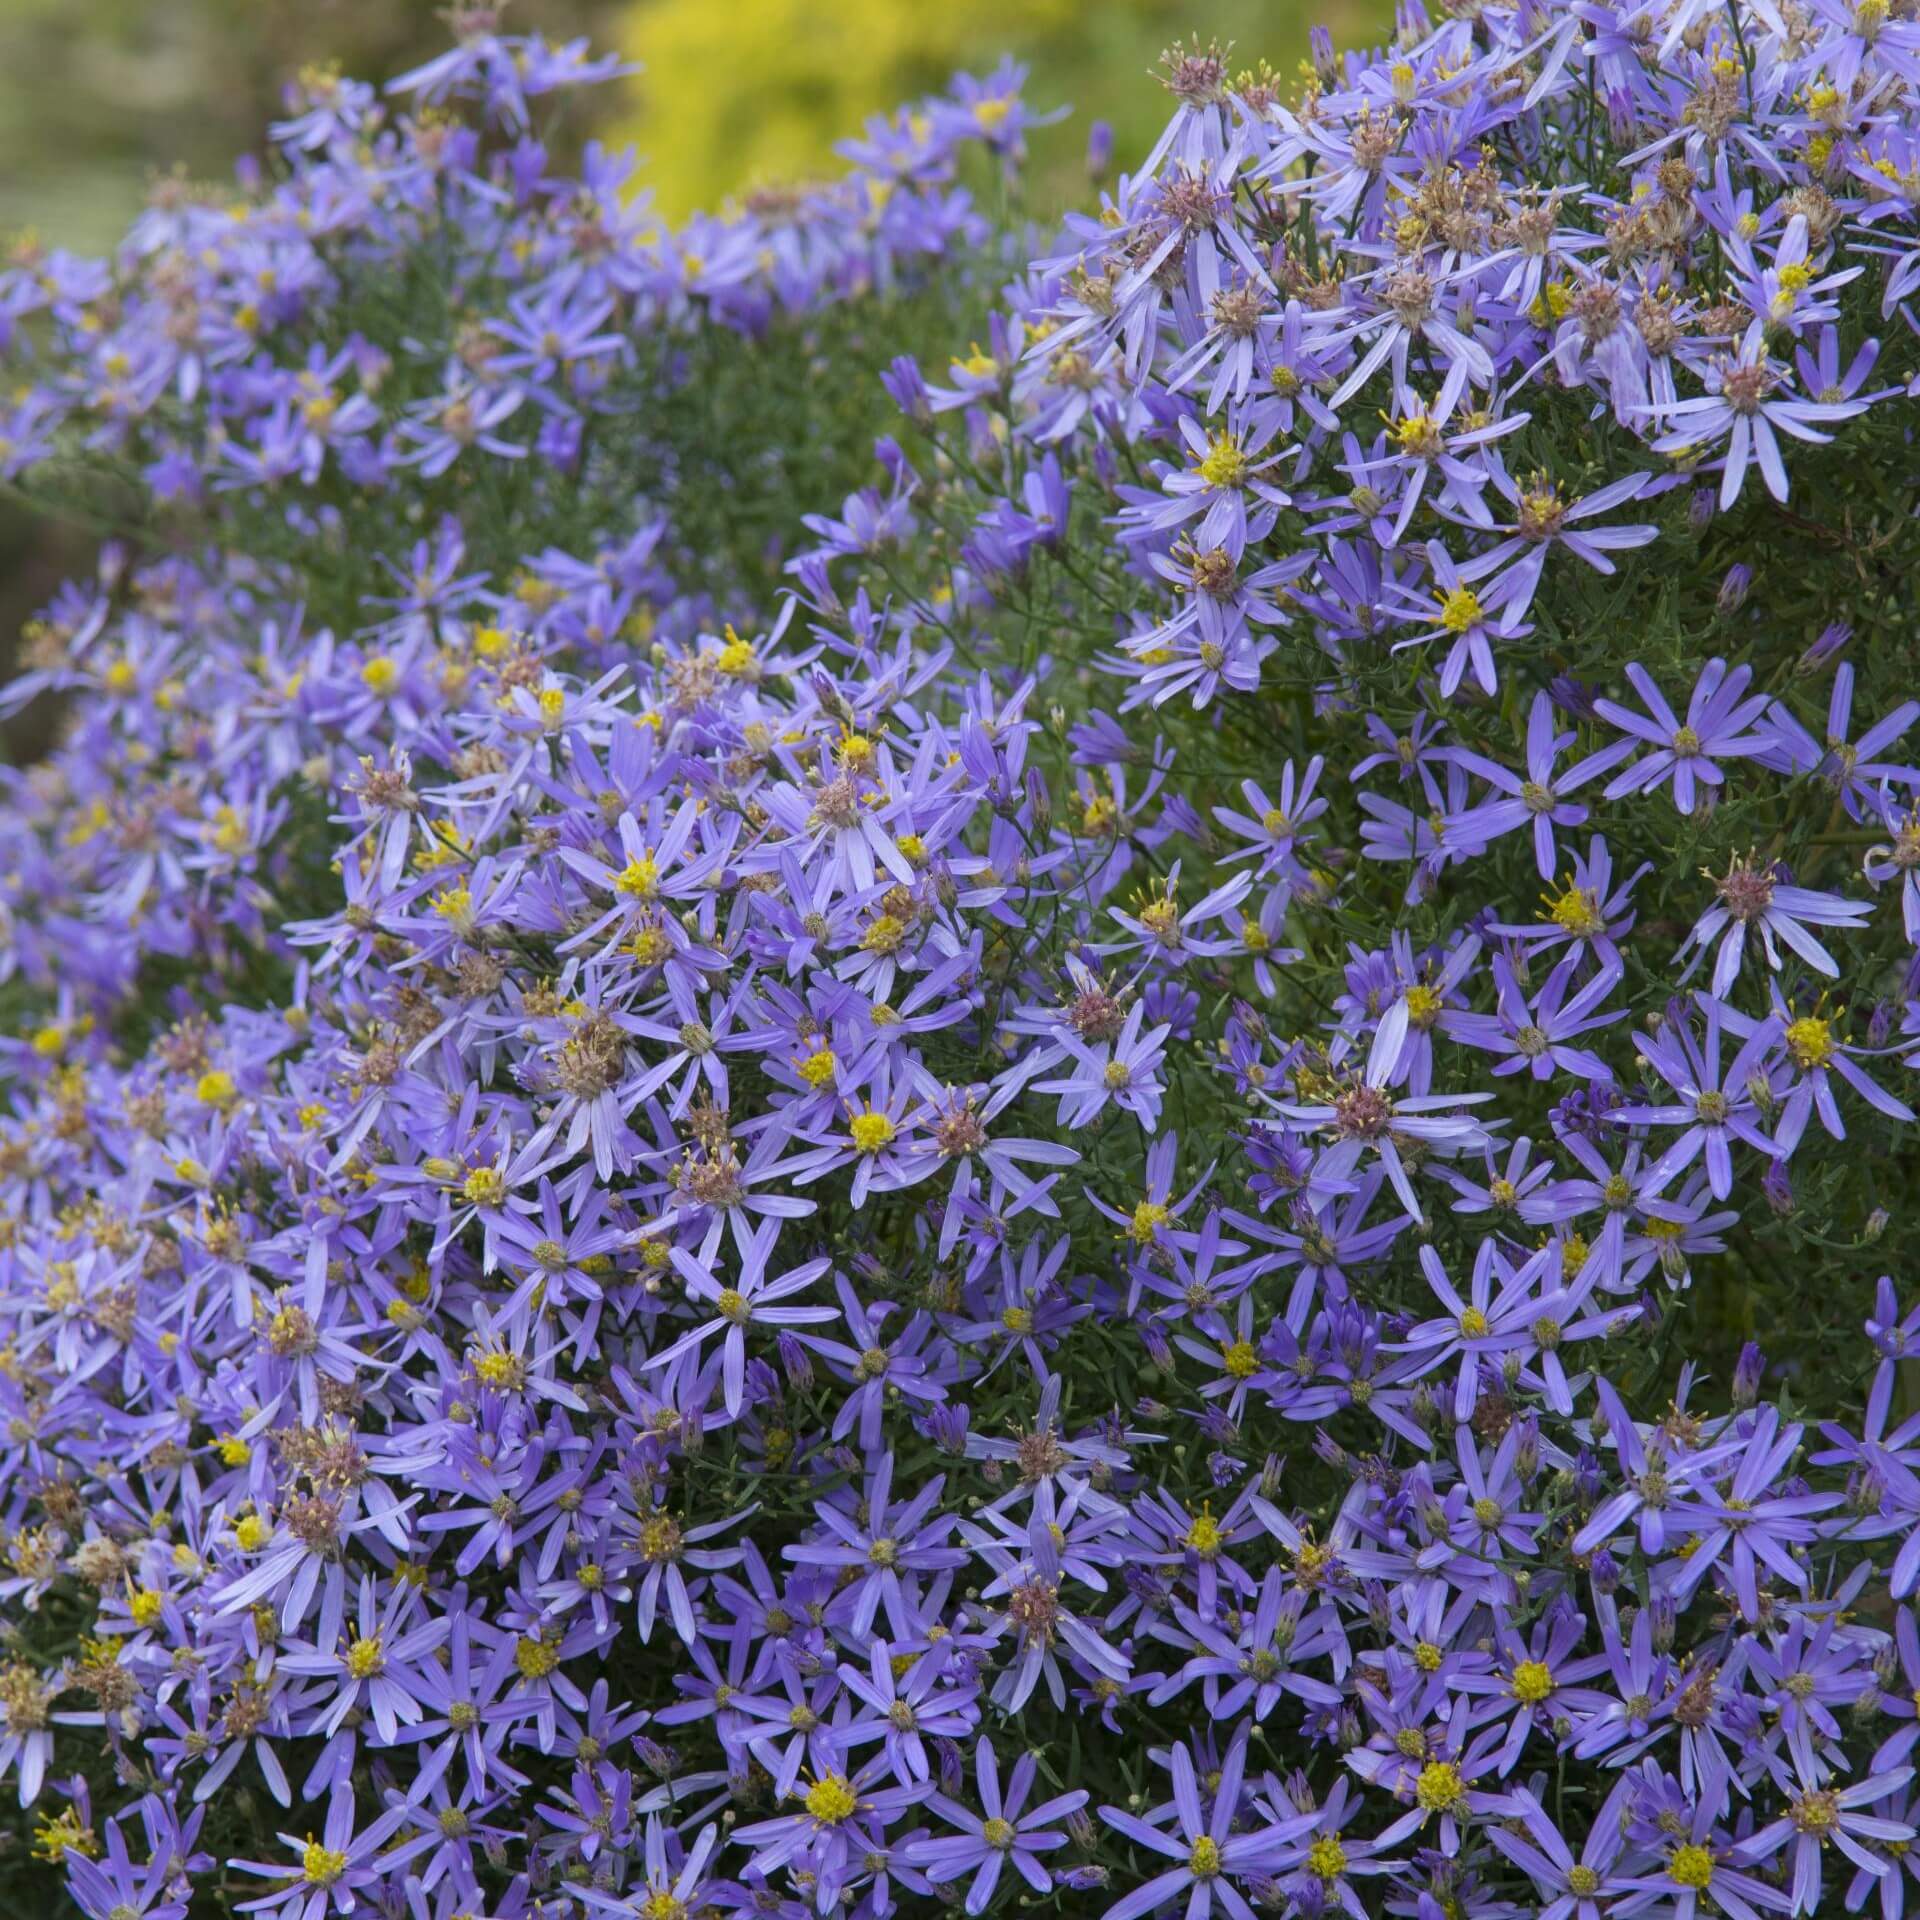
pixel 751 92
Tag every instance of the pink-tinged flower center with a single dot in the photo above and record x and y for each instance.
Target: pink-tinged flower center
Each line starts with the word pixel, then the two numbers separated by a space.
pixel 1745 387
pixel 1034 1609
pixel 1362 1113
pixel 1746 890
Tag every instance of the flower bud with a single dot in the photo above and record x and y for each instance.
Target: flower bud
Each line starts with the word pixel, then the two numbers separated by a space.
pixel 907 387
pixel 1777 1185
pixel 1833 638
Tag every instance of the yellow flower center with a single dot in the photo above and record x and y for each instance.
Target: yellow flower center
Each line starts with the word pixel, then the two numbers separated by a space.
pixel 1225 462
pixel 1241 1360
pixel 1532 1682
pixel 871 1131
pixel 485 1187
pixel 535 1658
pixel 1204 1536
pixel 1423 1005
pixel 832 1799
pixel 1439 1788
pixel 365 1658
pixel 1327 1858
pixel 1147 1215
pixel 818 1069
pixel 639 879
pixel 215 1089
pixel 1810 1041
pixel 1204 1861
pixel 1691 1866
pixel 322 1866
pixel 495 1370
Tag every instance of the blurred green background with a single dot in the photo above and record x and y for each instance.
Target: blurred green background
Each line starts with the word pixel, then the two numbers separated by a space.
pixel 97 96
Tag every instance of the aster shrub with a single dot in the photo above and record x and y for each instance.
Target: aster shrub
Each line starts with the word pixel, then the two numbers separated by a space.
pixel 871 1059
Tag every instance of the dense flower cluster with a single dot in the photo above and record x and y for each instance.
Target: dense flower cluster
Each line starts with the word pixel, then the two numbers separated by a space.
pixel 715 1209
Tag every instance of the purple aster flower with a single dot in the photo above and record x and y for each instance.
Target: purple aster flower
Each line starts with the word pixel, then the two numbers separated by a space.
pixel 1714 1104
pixel 1363 1117
pixel 1752 895
pixel 1718 726
pixel 1209 1855
pixel 746 1300
pixel 1823 1815
pixel 1744 407
pixel 1538 799
pixel 1001 1834
pixel 331 1871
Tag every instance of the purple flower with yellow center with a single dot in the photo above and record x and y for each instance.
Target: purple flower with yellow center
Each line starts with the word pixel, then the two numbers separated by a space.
pixel 1588 914
pixel 1687 753
pixel 888 1545
pixel 1856 770
pixel 1535 1682
pixel 1697 1862
pixel 1746 408
pixel 1485 1324
pixel 1467 622
pixel 1713 1104
pixel 666 1548
pixel 1027 1586
pixel 748 1299
pixel 676 1885
pixel 1538 799
pixel 1568 1889
pixel 914 1699
pixel 1755 1523
pixel 1209 1855
pixel 1538 1038
pixel 1124 1071
pixel 370 1665
pixel 1254 1663
pixel 1823 1814
pixel 1813 1056
pixel 1544 518
pixel 827 1834
pixel 1006 1832
pixel 114 1888
pixel 331 1871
